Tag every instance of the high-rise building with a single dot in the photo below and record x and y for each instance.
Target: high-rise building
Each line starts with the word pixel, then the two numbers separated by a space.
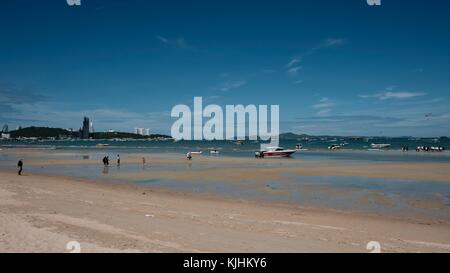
pixel 85 129
pixel 5 134
pixel 142 131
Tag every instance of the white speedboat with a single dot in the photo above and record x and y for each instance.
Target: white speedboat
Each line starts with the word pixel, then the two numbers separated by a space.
pixel 101 145
pixel 334 147
pixel 278 152
pixel 300 148
pixel 380 146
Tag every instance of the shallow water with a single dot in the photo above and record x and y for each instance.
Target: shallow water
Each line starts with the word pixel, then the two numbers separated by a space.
pixel 317 149
pixel 380 196
pixel 384 196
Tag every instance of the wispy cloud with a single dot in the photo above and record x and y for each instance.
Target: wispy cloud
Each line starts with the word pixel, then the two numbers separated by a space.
pixel 51 114
pixel 418 70
pixel 333 42
pixel 11 95
pixel 228 86
pixel 293 62
pixel 293 66
pixel 26 108
pixel 388 95
pixel 324 106
pixel 328 43
pixel 177 42
pixel 323 112
pixel 372 125
pixel 323 103
pixel 294 71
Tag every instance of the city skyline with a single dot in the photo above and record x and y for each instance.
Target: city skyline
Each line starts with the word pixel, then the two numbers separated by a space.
pixel 350 69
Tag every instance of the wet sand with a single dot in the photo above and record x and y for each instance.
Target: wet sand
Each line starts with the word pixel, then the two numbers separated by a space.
pixel 251 169
pixel 42 213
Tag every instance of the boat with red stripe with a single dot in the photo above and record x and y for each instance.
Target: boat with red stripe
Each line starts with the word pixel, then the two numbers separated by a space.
pixel 278 152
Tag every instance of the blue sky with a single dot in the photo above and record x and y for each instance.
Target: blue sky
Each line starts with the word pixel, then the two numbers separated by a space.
pixel 334 67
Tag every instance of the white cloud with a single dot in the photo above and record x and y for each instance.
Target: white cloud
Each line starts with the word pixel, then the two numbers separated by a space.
pixel 323 103
pixel 293 67
pixel 333 42
pixel 177 42
pixel 324 106
pixel 162 39
pixel 293 62
pixel 57 115
pixel 400 95
pixel 294 71
pixel 394 95
pixel 324 112
pixel 228 86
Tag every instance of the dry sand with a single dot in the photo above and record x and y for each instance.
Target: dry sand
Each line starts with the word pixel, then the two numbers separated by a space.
pixel 41 213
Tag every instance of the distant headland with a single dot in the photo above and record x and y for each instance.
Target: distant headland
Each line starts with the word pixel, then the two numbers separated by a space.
pixel 62 134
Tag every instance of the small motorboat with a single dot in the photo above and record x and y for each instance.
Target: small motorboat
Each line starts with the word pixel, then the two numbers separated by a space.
pixel 334 147
pixel 380 146
pixel 214 152
pixel 299 148
pixel 278 152
pixel 197 153
pixel 102 145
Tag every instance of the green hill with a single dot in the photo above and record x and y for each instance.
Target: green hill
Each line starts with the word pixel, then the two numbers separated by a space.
pixel 45 132
pixel 41 132
pixel 105 135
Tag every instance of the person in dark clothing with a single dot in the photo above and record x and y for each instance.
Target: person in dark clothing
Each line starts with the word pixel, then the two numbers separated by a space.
pixel 20 167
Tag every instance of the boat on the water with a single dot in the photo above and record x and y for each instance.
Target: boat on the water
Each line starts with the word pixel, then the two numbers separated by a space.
pixel 299 148
pixel 334 147
pixel 102 145
pixel 430 149
pixel 278 152
pixel 380 146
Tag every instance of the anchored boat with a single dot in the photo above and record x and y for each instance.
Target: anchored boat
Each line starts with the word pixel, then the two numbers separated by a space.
pixel 278 152
pixel 380 146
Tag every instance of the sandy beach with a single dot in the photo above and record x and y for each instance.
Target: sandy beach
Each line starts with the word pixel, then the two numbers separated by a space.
pixel 43 212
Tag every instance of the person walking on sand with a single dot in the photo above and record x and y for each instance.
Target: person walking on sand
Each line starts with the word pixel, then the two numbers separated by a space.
pixel 20 167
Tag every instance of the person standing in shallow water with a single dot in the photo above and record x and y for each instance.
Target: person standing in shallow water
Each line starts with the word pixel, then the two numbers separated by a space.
pixel 20 167
pixel 118 160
